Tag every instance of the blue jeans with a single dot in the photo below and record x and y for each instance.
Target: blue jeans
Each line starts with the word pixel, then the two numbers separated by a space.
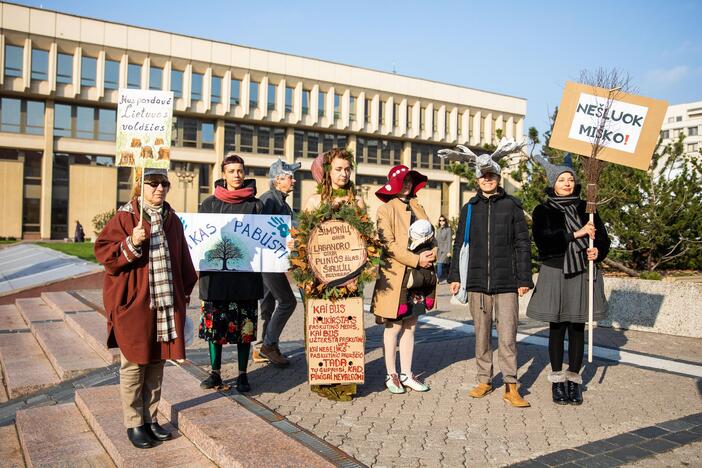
pixel 442 270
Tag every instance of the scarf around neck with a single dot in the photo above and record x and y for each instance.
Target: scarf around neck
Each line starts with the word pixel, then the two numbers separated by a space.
pixel 160 276
pixel 233 196
pixel 575 258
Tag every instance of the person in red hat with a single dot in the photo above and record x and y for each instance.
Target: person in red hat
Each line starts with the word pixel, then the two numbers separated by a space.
pixel 394 217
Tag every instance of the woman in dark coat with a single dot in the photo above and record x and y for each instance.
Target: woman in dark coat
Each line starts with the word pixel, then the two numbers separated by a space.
pixel 230 299
pixel 443 241
pixel 561 230
pixel 147 285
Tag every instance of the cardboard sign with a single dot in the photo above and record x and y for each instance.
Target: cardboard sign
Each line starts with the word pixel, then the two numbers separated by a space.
pixel 237 242
pixel 628 125
pixel 144 124
pixel 335 341
pixel 336 252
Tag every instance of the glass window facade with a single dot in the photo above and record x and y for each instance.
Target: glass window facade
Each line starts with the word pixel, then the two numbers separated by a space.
pixel 155 78
pixel 424 156
pixel 13 60
pixel 64 68
pixel 321 103
pixel 40 65
pixel 352 108
pixel 93 123
pixel 376 151
pixel 177 83
pixel 272 90
pixel 216 93
pixel 134 76
pixel 289 93
pixel 253 95
pixel 254 139
pixel 235 95
pixel 196 86
pixel 305 101
pixel 21 116
pixel 337 106
pixel 88 71
pixel 310 144
pixel 111 74
pixel 193 133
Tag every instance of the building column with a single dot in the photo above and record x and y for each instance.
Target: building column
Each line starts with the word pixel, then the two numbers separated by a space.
pixel 289 145
pixel 47 166
pixel 219 151
pixel 406 154
pixel 351 146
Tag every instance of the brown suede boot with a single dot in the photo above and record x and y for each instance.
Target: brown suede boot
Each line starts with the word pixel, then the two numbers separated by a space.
pixel 513 397
pixel 481 390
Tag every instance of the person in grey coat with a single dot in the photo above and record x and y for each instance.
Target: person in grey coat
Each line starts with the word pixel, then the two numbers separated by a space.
pixel 278 301
pixel 561 230
pixel 443 241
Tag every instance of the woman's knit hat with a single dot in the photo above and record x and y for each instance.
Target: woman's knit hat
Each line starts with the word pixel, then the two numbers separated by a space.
pixel 554 170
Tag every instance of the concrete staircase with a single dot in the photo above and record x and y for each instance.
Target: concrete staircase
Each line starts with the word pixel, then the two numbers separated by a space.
pixel 49 339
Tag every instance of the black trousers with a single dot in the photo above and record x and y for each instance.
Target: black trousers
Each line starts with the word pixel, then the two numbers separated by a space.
pixel 576 345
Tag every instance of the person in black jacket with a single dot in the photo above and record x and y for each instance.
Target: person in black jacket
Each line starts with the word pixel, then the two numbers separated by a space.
pixel 499 267
pixel 276 287
pixel 561 231
pixel 230 300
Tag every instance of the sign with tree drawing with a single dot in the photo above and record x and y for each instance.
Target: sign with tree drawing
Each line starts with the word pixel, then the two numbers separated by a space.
pixel 237 242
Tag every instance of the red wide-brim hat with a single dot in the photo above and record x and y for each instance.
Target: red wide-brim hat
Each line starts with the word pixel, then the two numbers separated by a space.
pixel 396 177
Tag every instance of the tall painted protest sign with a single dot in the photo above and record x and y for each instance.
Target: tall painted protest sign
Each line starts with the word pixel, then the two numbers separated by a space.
pixel 625 125
pixel 144 124
pixel 237 242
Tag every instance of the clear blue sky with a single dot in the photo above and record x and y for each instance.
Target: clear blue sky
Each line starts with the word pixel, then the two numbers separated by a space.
pixel 525 49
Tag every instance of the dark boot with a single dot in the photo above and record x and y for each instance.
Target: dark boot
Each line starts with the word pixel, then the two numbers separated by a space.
pixel 575 393
pixel 242 383
pixel 274 355
pixel 558 391
pixel 213 381
pixel 157 432
pixel 558 387
pixel 140 438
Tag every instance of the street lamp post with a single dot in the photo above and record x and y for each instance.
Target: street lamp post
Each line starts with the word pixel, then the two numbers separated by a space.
pixel 186 178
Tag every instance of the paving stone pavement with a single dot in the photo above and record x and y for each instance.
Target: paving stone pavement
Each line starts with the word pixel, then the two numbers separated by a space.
pixel 445 427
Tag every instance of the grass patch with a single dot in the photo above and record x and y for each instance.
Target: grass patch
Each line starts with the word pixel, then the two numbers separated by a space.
pixel 8 241
pixel 82 250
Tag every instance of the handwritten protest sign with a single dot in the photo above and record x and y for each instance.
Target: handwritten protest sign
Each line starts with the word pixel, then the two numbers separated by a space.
pixel 237 242
pixel 144 123
pixel 336 251
pixel 335 341
pixel 627 125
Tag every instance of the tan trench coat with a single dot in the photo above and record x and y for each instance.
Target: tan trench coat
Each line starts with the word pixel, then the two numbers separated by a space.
pixel 393 231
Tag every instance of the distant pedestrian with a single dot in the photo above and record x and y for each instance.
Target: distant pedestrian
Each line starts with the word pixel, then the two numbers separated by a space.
pixel 79 235
pixel 395 305
pixel 230 299
pixel 148 281
pixel 561 231
pixel 443 241
pixel 499 268
pixel 278 301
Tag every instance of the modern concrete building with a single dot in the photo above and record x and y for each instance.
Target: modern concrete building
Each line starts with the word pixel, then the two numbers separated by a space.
pixel 684 119
pixel 58 92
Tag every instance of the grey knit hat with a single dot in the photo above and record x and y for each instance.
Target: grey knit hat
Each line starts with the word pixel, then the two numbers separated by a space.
pixel 554 170
pixel 280 168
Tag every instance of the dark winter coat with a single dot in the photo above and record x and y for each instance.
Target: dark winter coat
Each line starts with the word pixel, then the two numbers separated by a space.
pixel 500 249
pixel 232 286
pixel 131 324
pixel 443 240
pixel 552 237
pixel 274 203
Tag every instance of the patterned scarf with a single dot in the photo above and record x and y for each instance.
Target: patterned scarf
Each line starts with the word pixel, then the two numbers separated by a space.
pixel 575 259
pixel 160 277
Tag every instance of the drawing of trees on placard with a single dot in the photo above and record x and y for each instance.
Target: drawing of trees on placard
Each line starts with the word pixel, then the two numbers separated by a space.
pixel 224 250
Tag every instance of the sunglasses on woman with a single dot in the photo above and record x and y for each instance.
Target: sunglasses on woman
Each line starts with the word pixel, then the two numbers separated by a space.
pixel 155 183
pixel 442 220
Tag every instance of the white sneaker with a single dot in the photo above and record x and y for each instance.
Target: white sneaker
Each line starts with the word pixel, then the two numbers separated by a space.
pixel 412 382
pixel 392 382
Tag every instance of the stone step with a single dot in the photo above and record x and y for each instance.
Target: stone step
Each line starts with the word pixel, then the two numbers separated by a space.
pixel 34 309
pixel 26 367
pixel 66 350
pixel 92 327
pixel 102 408
pixel 64 303
pixel 59 436
pixel 10 451
pixel 11 319
pixel 220 427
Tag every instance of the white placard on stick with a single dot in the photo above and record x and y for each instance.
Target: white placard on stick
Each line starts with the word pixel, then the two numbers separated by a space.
pixel 144 123
pixel 335 341
pixel 237 242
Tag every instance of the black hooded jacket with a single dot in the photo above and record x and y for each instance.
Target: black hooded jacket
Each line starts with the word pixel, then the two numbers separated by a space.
pixel 500 249
pixel 231 286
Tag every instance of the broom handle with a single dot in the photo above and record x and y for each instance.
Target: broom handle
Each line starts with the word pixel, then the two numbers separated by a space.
pixel 590 295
